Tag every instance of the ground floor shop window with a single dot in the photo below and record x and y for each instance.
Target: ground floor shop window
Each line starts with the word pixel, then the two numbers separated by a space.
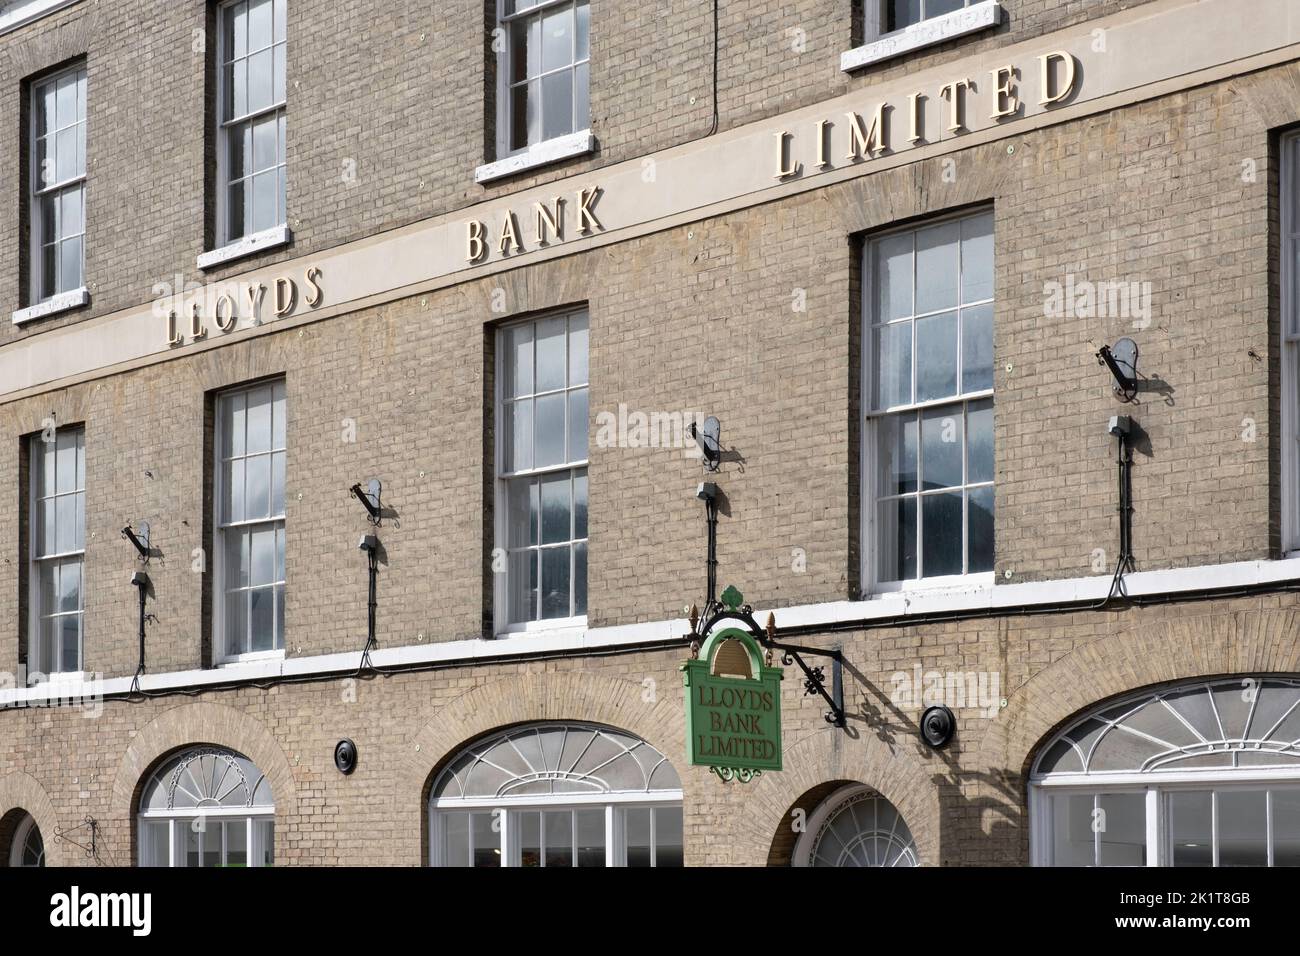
pixel 856 826
pixel 557 795
pixel 207 807
pixel 1204 774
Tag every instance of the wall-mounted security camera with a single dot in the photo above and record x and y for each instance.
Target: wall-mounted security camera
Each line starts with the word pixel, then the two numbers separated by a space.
pixel 937 726
pixel 1120 426
pixel 709 439
pixel 368 543
pixel 139 580
pixel 707 491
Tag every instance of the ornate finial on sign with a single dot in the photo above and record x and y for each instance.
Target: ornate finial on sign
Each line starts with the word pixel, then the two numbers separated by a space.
pixel 771 626
pixel 695 650
pixel 731 598
pixel 695 617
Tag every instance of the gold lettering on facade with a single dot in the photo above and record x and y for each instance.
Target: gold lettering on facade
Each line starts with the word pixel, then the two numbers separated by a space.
pixel 1066 85
pixel 864 141
pixel 509 236
pixel 549 219
pixel 821 143
pixel 197 329
pixel 317 294
pixel 286 296
pixel 954 93
pixel 1005 100
pixel 587 221
pixel 914 117
pixel 784 171
pixel 174 336
pixel 256 293
pixel 225 317
pixel 475 246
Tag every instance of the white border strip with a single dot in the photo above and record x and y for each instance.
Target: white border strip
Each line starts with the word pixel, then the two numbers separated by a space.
pixel 22 12
pixel 900 605
pixel 949 26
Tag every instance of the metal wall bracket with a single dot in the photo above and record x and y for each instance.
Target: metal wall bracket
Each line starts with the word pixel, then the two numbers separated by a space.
pixel 90 823
pixel 139 539
pixel 371 498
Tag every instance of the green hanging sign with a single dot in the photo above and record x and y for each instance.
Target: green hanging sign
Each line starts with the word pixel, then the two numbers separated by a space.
pixel 733 707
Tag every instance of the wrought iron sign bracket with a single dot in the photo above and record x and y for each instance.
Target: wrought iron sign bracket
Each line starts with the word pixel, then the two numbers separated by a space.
pixel 814 677
pixel 91 850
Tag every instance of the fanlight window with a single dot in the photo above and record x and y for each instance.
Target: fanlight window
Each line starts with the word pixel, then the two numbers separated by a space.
pixel 27 849
pixel 1226 724
pixel 207 807
pixel 557 795
pixel 555 759
pixel 1204 774
pixel 855 826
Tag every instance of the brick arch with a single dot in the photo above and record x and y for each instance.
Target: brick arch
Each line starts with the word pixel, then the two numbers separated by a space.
pixel 1251 642
pixel 21 791
pixel 196 723
pixel 812 764
pixel 530 698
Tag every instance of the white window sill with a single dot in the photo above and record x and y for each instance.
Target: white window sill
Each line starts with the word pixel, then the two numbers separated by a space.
pixel 253 657
pixel 954 583
pixel 978 16
pixel 62 302
pixel 542 154
pixel 247 246
pixel 550 627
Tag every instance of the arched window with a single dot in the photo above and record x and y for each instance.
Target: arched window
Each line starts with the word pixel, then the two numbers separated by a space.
pixel 26 848
pixel 207 807
pixel 1203 774
pixel 557 795
pixel 856 826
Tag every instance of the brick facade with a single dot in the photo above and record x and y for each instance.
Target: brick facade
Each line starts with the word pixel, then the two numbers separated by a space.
pixel 692 317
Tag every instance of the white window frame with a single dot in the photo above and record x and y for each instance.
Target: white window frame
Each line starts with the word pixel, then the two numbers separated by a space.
pixel 220 653
pixel 879 45
pixel 615 806
pixel 176 836
pixel 509 160
pixel 869 563
pixel 48 301
pixel 1288 199
pixel 35 560
pixel 18 843
pixel 228 247
pixel 501 483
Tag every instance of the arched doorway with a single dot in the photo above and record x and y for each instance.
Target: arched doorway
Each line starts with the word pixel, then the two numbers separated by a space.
pixel 856 826
pixel 557 795
pixel 26 845
pixel 206 807
pixel 1205 773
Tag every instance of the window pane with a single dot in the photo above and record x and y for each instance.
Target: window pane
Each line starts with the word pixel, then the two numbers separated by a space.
pixel 70 211
pixel 977 348
pixel 236 622
pixel 550 430
pixel 50 269
pixel 259 419
pixel 558 825
pixel 1072 833
pixel 941 534
pixel 979 441
pixel 941 447
pixel 579 580
pixel 65 444
pixel 518 443
pixel 896 454
pixel 455 836
pixel 522 512
pixel 236 842
pixel 260 24
pixel 522 578
pixel 979 533
pixel 896 539
pixel 277 483
pixel 265 150
pixel 257 504
pixel 551 354
pixel 580 503
pixel 1286 827
pixel 668 836
pixel 1243 828
pixel 578 425
pixel 517 353
pixel 1190 828
pixel 892 272
pixel 237 89
pixel 262 552
pixel 487 842
pixel 934 8
pixel 557 39
pixel 69 587
pixel 977 258
pixel 591 837
pixel 556 516
pixel 236 565
pixel 154 842
pixel 556 600
pixel 936 357
pixel 557 104
pixel 261 608
pixel 236 37
pixel 266 200
pixel 71 642
pixel 937 267
pixel 49 588
pixel 233 491
pixel 1122 829
pixel 530 839
pixel 69 265
pixel 892 345
pixel 582 40
pixel 637 828
pixel 578 334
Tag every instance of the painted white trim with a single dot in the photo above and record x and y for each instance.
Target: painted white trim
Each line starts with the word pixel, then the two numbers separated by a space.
pixel 63 302
pixel 253 243
pixel 23 12
pixel 539 154
pixel 948 26
pixel 900 605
